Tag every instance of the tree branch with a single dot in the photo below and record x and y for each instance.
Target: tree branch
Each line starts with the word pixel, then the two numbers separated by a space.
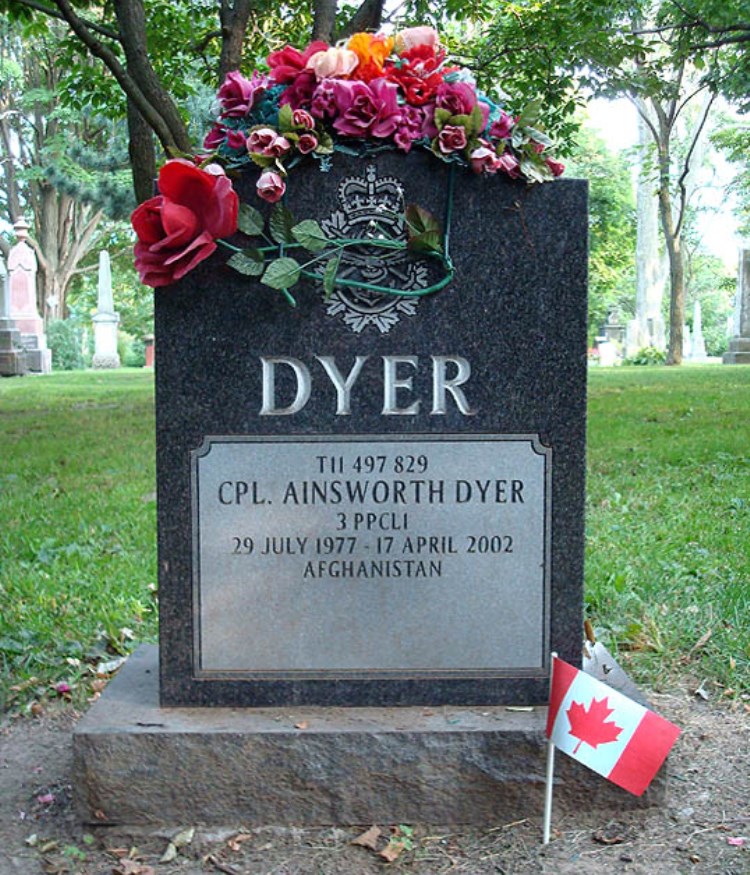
pixel 681 182
pixel 54 13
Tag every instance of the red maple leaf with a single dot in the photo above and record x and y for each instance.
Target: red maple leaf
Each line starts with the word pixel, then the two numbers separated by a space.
pixel 591 726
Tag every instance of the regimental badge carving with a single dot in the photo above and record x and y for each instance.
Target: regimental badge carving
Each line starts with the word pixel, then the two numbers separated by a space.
pixel 372 205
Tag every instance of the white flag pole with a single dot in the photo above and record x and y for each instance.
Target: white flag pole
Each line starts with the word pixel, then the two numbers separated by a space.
pixel 550 771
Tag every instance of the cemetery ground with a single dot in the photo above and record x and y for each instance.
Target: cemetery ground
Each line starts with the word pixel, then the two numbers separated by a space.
pixel 667 588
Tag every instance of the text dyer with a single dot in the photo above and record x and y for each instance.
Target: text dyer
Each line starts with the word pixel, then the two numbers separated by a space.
pixel 449 374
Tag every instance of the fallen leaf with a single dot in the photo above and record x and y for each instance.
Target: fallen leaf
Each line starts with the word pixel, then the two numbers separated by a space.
pixel 702 641
pixel 36 709
pixel 169 854
pixel 303 724
pixel 130 867
pixel 393 850
pixel 45 799
pixel 736 841
pixel 369 838
pixel 184 837
pixel 32 840
pixel 701 693
pixel 608 837
pixel 100 815
pixel 235 843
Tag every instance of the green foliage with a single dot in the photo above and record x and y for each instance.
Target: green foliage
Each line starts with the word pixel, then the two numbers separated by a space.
pixel 612 227
pixel 649 355
pixel 65 339
pixel 733 138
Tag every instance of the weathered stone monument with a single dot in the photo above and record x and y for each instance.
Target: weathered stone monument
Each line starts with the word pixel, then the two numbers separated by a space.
pixel 22 267
pixel 697 340
pixel 369 501
pixel 12 353
pixel 739 345
pixel 105 319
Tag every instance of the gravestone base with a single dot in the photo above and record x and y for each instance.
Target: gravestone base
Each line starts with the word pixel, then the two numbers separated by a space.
pixel 136 763
pixel 12 355
pixel 738 352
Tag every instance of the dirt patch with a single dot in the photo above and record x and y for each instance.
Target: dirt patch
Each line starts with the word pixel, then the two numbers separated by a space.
pixel 704 828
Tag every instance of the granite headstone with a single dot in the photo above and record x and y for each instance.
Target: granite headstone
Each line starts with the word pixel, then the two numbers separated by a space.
pixel 378 500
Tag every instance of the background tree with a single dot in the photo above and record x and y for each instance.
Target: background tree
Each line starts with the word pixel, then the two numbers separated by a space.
pixel 57 167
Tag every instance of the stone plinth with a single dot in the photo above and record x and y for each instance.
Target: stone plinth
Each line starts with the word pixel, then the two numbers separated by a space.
pixel 739 345
pixel 22 267
pixel 137 763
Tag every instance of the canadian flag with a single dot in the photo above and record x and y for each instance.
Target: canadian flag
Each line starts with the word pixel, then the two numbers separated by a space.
pixel 606 731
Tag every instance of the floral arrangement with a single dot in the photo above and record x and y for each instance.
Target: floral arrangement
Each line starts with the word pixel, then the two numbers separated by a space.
pixel 369 92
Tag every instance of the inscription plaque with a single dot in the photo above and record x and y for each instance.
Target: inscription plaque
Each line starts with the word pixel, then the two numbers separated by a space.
pixel 341 552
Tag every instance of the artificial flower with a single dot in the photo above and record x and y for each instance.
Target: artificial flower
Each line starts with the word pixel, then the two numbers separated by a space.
pixel 366 110
pixel 371 51
pixel 287 63
pixel 178 228
pixel 452 138
pixel 307 143
pixel 335 63
pixel 237 94
pixel 302 119
pixel 502 127
pixel 411 37
pixel 483 159
pixel 418 74
pixel 299 93
pixel 557 167
pixel 270 186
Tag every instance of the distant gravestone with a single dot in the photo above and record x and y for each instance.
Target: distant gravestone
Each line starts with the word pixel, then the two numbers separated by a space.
pixel 22 268
pixel 378 500
pixel 12 354
pixel 739 345
pixel 105 319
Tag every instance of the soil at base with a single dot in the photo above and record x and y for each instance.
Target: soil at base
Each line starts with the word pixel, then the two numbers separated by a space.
pixel 704 828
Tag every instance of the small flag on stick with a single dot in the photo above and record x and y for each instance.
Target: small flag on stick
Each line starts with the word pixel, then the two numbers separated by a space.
pixel 606 731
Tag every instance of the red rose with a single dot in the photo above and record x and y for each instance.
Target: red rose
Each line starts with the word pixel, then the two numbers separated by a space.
pixel 177 229
pixel 286 64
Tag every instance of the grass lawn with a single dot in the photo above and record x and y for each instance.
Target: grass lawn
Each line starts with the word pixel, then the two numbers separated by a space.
pixel 668 550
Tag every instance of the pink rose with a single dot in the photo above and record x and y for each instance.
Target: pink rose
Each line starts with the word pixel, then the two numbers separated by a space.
pixel 286 64
pixel 366 109
pixel 177 229
pixel 502 128
pixel 270 186
pixel 557 167
pixel 509 164
pixel 333 63
pixel 260 140
pixel 301 118
pixel 307 143
pixel 300 92
pixel 457 97
pixel 483 160
pixel 451 139
pixel 323 104
pixel 411 127
pixel 237 95
pixel 279 147
pixel 220 135
pixel 411 37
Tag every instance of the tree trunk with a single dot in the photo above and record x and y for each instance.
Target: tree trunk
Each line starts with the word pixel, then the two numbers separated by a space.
pixel 234 15
pixel 142 154
pixel 673 243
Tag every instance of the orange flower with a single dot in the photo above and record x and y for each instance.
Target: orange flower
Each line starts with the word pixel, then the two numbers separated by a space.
pixel 372 51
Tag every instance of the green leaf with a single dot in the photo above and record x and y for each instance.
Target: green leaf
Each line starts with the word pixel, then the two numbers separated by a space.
pixel 430 241
pixel 280 224
pixel 441 117
pixel 310 235
pixel 250 221
pixel 263 161
pixel 420 220
pixel 530 113
pixel 539 136
pixel 281 273
pixel 285 118
pixel 329 276
pixel 325 144
pixel 476 121
pixel 249 262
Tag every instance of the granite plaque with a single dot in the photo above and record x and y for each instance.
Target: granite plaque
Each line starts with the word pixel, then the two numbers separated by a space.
pixel 372 499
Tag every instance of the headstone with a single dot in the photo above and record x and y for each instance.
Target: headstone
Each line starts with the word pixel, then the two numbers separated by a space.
pixel 697 340
pixel 687 341
pixel 739 344
pixel 22 267
pixel 366 501
pixel 378 500
pixel 105 319
pixel 12 354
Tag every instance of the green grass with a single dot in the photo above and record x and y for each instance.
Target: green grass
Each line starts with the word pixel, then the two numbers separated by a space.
pixel 668 520
pixel 668 523
pixel 77 544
